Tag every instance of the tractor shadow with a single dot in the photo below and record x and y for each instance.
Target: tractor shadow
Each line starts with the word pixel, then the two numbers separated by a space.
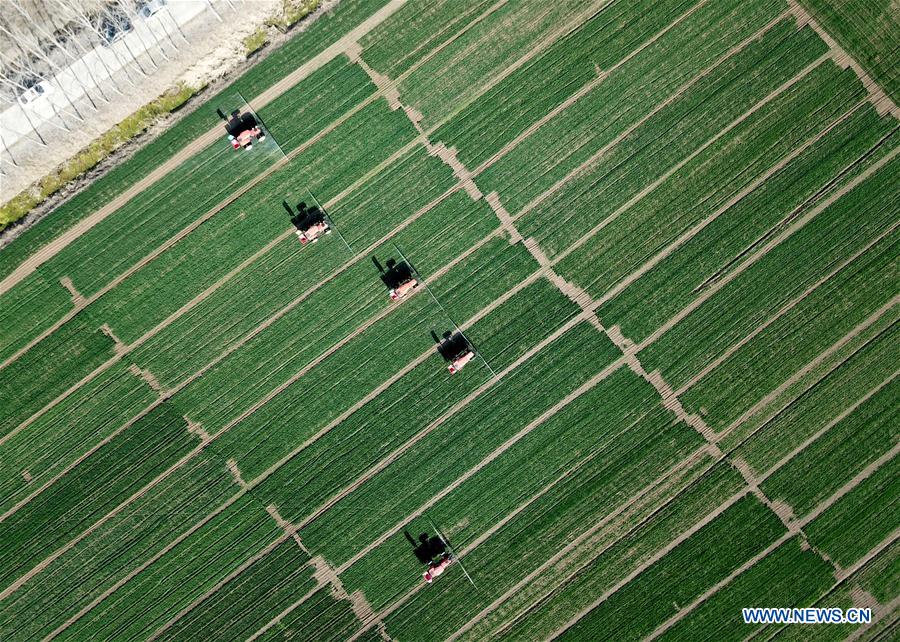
pixel 393 274
pixel 238 122
pixel 426 548
pixel 305 216
pixel 451 344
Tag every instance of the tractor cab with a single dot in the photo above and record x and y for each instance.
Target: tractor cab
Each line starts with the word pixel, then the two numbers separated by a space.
pixel 438 566
pixel 243 129
pixel 455 349
pixel 310 224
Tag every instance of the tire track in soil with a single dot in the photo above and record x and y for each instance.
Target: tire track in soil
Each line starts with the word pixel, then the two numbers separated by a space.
pixel 694 81
pixel 327 55
pixel 587 163
pixel 787 307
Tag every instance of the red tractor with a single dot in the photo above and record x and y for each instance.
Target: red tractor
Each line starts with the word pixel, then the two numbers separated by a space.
pixel 312 233
pixel 243 129
pixel 404 288
pixel 460 361
pixel 435 568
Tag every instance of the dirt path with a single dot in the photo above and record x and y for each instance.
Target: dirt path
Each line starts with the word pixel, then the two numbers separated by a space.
pixel 81 227
pixel 882 102
pixel 278 618
pixel 497 452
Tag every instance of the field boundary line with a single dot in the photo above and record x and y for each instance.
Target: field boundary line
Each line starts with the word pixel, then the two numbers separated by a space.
pixel 877 96
pixel 680 91
pixel 492 456
pixel 331 52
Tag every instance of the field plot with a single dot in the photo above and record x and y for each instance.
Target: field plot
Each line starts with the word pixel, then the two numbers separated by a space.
pixel 601 316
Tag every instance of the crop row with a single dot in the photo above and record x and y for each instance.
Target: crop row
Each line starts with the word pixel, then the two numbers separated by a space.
pixel 630 93
pixel 464 439
pixel 546 526
pixel 251 599
pixel 842 388
pixel 320 617
pixel 693 566
pixel 776 279
pixel 395 45
pixel 616 551
pixel 79 498
pixel 28 309
pixel 259 77
pixel 340 456
pixel 39 376
pixel 115 548
pixel 833 459
pixel 835 233
pixel 790 576
pixel 183 574
pixel 868 30
pixel 452 77
pixel 714 251
pixel 340 381
pixel 534 89
pixel 269 283
pixel 704 184
pixel 593 427
pixel 397 192
pixel 309 329
pixel 862 518
pixel 59 436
